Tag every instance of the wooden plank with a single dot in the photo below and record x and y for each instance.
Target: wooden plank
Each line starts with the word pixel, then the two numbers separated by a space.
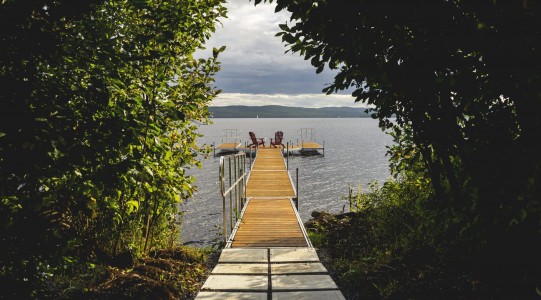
pixel 269 178
pixel 228 146
pixel 269 152
pixel 267 167
pixel 272 193
pixel 307 146
pixel 269 223
pixel 311 145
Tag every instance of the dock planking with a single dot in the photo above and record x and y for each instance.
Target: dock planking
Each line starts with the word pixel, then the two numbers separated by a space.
pixel 228 146
pixel 270 219
pixel 311 145
pixel 269 223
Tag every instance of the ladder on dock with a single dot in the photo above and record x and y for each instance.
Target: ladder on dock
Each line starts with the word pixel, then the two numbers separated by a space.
pixel 268 254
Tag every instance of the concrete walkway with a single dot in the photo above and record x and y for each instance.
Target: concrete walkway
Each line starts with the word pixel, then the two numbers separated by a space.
pixel 271 273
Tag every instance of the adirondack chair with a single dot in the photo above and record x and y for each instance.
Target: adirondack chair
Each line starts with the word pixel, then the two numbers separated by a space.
pixel 278 137
pixel 256 141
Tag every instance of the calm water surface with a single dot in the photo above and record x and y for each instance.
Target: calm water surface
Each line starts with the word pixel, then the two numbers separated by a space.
pixel 354 154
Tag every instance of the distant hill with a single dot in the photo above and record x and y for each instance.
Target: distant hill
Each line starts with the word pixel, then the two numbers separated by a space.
pixel 277 111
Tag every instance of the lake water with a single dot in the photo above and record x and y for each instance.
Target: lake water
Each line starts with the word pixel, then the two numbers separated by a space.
pixel 354 154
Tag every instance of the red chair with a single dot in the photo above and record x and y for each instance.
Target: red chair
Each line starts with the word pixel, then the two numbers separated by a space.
pixel 278 137
pixel 255 141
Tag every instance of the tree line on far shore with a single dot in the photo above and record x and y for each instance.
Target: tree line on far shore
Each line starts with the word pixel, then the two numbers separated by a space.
pixel 277 111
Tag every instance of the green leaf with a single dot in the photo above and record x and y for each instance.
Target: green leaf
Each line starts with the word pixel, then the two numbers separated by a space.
pixel 315 61
pixel 288 38
pixel 132 206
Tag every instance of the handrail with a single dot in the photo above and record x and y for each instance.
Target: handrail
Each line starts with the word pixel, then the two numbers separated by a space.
pixel 236 188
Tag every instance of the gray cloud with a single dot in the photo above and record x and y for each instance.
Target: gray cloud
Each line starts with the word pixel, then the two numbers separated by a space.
pixel 270 81
pixel 254 61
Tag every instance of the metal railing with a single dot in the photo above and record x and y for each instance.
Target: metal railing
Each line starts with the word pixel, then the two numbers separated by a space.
pixel 232 186
pixel 231 135
pixel 307 134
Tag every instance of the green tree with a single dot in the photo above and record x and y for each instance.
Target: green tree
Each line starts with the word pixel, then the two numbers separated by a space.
pixel 463 76
pixel 97 114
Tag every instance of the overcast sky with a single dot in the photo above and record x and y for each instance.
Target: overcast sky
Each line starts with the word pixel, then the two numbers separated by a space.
pixel 256 70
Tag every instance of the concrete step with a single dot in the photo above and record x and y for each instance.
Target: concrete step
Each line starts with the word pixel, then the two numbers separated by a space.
pixel 272 273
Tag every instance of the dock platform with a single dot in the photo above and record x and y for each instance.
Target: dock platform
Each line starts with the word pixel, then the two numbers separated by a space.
pixel 307 147
pixel 227 148
pixel 269 255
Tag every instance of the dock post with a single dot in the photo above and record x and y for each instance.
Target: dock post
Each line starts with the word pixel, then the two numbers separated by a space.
pixel 297 179
pixel 230 197
pixel 251 159
pixel 250 154
pixel 323 148
pixel 222 183
pixel 287 160
pixel 244 181
pixel 236 163
pixel 214 147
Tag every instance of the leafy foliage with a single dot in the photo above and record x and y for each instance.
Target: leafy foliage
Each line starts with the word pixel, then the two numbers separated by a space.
pixel 97 114
pixel 172 273
pixel 461 79
pixel 397 242
pixel 461 74
pixel 390 246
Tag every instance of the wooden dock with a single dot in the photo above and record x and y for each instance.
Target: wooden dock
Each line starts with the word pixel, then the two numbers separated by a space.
pixel 269 255
pixel 269 218
pixel 308 146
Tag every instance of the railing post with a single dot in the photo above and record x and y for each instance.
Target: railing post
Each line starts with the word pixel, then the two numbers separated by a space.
pixel 237 185
pixel 245 172
pixel 222 186
pixel 287 155
pixel 230 197
pixel 236 162
pixel 243 181
pixel 297 179
pixel 249 151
